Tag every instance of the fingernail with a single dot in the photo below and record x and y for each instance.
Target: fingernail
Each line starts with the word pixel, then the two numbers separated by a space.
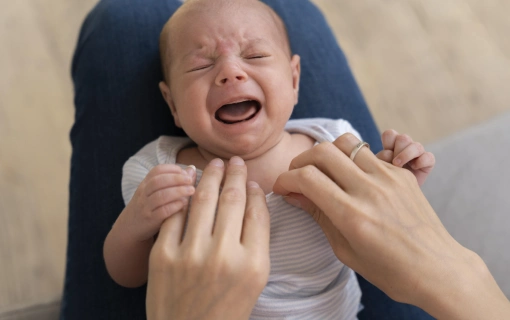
pixel 217 163
pixel 292 201
pixel 397 162
pixel 236 161
pixel 252 184
pixel 190 170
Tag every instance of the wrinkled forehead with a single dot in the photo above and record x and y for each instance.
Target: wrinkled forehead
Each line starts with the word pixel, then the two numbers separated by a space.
pixel 252 16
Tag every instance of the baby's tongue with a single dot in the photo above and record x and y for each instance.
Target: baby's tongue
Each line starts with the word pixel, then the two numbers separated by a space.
pixel 236 112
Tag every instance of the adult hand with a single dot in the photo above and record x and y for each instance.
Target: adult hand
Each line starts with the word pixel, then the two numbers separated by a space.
pixel 218 267
pixel 380 224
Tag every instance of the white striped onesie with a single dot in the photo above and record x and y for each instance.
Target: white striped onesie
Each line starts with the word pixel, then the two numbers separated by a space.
pixel 306 280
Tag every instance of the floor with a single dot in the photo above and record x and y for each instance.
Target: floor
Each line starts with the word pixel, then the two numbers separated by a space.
pixel 427 67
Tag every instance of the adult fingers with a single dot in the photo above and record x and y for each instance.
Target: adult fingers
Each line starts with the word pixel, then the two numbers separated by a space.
pixel 317 187
pixel 232 202
pixel 338 242
pixel 204 203
pixel 331 161
pixel 364 159
pixel 171 231
pixel 255 234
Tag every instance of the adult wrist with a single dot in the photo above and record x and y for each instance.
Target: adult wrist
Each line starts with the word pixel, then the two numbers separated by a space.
pixel 464 289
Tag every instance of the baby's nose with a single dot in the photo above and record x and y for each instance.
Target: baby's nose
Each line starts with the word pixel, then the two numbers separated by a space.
pixel 230 72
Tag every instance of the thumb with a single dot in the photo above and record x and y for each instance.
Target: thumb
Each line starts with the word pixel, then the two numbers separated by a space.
pixel 191 170
pixel 338 243
pixel 302 202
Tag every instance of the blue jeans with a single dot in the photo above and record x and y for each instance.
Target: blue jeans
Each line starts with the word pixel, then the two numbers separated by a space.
pixel 119 108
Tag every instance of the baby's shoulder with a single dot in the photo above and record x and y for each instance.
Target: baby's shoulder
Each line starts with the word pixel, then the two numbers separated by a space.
pixel 321 129
pixel 162 150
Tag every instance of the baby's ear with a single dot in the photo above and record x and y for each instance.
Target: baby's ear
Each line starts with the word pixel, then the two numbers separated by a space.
pixel 295 64
pixel 165 91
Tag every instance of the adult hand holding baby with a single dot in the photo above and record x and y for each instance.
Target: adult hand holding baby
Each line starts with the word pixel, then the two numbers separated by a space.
pixel 218 268
pixel 373 213
pixel 380 224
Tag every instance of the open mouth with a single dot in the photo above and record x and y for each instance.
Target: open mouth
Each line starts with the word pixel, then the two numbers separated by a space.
pixel 237 112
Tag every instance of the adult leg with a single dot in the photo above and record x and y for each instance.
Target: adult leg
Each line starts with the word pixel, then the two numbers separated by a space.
pixel 118 110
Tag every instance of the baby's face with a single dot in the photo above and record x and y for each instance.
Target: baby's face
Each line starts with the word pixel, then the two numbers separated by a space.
pixel 231 84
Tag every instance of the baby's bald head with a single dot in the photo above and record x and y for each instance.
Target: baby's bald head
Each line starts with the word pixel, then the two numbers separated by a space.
pixel 192 10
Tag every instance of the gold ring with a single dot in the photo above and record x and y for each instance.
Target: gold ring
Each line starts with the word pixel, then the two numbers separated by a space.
pixel 358 148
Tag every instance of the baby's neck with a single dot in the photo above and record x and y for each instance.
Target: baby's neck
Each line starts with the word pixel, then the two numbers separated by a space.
pixel 265 168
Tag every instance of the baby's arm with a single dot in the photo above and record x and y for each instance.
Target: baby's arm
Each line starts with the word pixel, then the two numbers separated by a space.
pixel 163 192
pixel 402 151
